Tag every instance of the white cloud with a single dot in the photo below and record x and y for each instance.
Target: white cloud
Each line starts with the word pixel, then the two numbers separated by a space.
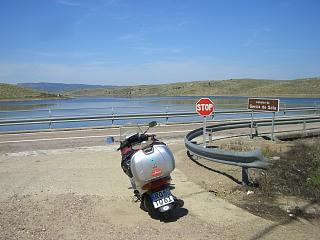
pixel 69 2
pixel 74 54
pixel 132 38
pixel 139 43
pixel 155 50
pixel 111 2
pixel 92 5
pixel 255 37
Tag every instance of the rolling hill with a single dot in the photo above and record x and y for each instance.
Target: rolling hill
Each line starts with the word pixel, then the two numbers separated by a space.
pixel 59 87
pixel 11 91
pixel 309 87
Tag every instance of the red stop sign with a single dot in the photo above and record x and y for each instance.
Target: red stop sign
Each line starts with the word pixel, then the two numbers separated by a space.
pixel 205 107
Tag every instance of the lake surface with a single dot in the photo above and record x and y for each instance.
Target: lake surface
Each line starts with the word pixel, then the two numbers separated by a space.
pixel 88 106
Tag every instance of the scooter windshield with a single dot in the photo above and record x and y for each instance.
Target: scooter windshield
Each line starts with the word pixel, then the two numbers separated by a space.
pixel 130 130
pixel 126 132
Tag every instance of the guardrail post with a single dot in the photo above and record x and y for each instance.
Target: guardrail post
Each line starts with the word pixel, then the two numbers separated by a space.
pixel 112 121
pixel 285 108
pixel 167 117
pixel 256 129
pixel 50 121
pixel 245 176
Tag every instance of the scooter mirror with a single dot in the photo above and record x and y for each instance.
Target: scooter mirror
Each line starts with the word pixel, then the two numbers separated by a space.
pixel 152 124
pixel 109 140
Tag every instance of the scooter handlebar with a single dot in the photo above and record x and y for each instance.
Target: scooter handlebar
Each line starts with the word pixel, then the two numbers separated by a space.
pixel 136 138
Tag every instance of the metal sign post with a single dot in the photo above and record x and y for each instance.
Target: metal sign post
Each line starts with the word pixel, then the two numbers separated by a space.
pixel 251 126
pixel 205 107
pixel 272 130
pixel 204 131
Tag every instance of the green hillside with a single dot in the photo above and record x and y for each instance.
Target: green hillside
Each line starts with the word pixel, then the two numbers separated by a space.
pixel 234 87
pixel 10 91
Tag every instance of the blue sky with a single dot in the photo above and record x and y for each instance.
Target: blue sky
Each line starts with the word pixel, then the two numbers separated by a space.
pixel 130 42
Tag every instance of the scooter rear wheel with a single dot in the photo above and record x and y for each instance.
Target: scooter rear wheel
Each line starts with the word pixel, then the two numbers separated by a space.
pixel 166 215
pixel 154 213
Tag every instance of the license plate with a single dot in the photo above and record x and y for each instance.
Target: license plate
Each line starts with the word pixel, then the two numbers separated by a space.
pixel 162 198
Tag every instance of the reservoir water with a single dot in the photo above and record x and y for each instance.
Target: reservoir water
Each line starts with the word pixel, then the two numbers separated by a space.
pixel 88 106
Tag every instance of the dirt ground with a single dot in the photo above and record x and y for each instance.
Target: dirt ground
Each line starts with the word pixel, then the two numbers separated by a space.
pixel 81 193
pixel 225 182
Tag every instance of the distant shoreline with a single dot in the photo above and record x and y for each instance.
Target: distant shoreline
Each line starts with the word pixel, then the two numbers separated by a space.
pixel 150 96
pixel 32 99
pixel 198 95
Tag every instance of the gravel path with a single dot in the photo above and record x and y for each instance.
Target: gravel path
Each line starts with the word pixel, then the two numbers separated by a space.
pixel 81 193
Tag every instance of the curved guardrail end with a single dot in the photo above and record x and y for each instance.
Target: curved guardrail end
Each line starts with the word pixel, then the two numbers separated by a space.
pixel 249 159
pixel 264 163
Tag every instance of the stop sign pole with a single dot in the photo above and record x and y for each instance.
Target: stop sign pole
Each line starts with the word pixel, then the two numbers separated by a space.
pixel 204 107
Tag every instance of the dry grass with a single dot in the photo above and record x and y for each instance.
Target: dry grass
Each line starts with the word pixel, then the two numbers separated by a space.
pixel 296 173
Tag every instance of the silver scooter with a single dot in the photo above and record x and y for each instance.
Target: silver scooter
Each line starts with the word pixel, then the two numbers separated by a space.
pixel 148 162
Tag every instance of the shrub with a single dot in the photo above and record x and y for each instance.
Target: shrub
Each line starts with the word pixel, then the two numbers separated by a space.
pixel 297 172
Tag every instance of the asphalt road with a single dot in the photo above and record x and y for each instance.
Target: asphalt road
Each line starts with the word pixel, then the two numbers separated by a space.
pixel 87 137
pixel 57 139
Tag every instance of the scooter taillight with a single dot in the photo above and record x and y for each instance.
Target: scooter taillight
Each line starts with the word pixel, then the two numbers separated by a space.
pixel 157 183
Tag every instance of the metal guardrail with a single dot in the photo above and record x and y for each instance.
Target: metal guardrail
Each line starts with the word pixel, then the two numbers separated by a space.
pixel 115 117
pixel 112 117
pixel 246 160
